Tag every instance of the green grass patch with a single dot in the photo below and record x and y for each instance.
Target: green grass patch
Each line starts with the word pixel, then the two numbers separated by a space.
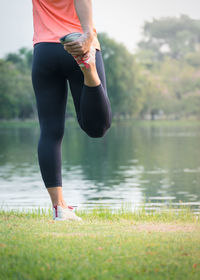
pixel 107 244
pixel 165 213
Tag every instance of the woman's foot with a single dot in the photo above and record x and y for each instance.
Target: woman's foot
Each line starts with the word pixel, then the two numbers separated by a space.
pixel 61 211
pixel 91 77
pixel 64 214
pixel 86 62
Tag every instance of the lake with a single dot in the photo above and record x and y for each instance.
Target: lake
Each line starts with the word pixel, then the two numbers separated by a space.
pixel 153 162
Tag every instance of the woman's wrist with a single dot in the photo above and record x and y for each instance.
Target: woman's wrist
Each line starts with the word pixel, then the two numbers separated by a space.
pixel 88 31
pixel 89 35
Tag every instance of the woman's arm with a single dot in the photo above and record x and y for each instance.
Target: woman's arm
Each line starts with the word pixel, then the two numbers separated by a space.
pixel 84 12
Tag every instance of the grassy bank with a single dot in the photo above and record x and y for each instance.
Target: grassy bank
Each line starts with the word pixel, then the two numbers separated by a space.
pixel 72 121
pixel 105 245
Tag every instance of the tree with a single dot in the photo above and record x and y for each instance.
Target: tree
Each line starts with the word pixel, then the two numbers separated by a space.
pixel 22 59
pixel 171 36
pixel 121 74
pixel 16 94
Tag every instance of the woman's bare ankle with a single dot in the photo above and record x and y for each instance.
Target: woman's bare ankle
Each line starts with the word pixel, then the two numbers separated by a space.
pixel 57 196
pixel 60 203
pixel 91 77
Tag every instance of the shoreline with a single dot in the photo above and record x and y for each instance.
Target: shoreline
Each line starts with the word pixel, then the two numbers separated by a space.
pixel 168 214
pixel 35 122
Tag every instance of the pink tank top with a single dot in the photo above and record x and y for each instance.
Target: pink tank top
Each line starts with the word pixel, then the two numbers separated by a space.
pixel 53 19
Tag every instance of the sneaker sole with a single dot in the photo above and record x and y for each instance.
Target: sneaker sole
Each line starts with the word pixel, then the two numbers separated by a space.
pixel 70 37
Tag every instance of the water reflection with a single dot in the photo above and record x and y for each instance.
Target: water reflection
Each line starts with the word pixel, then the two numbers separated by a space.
pixel 132 163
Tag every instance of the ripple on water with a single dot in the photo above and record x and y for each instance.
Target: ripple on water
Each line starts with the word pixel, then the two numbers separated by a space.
pixel 188 170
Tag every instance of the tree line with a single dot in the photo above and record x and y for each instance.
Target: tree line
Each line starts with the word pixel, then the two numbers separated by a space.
pixel 162 78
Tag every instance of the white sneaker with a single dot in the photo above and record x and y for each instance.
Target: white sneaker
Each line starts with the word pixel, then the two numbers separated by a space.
pixel 87 59
pixel 64 214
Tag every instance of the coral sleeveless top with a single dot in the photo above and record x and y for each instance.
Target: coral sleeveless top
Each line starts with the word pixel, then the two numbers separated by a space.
pixel 53 19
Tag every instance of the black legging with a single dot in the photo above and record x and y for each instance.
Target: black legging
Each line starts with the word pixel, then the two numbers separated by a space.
pixel 52 67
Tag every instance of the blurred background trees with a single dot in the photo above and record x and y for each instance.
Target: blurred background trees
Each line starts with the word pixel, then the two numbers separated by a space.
pixel 161 79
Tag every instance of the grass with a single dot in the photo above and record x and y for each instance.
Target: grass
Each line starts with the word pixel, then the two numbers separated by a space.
pixel 107 245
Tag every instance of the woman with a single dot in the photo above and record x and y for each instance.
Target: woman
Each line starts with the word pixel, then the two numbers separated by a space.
pixel 55 66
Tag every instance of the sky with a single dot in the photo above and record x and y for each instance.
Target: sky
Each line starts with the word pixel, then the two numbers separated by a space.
pixel 121 19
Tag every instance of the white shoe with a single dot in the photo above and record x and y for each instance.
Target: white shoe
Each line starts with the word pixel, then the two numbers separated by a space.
pixel 64 214
pixel 87 59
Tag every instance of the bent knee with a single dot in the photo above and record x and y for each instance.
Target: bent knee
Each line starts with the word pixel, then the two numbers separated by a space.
pixel 97 131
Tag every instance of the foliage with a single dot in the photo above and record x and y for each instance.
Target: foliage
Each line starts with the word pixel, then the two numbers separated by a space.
pixel 171 77
pixel 121 73
pixel 16 92
pixel 170 35
pixel 161 79
pixel 22 60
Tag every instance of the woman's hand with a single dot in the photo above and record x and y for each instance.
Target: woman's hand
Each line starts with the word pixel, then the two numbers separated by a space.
pixel 80 46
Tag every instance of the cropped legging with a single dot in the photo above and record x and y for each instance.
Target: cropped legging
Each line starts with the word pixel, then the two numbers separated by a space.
pixel 52 69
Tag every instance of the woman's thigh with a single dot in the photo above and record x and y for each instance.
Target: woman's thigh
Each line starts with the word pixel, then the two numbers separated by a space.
pixel 49 84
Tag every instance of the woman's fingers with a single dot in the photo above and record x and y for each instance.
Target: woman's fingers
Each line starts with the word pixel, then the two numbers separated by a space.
pixel 79 46
pixel 74 43
pixel 75 50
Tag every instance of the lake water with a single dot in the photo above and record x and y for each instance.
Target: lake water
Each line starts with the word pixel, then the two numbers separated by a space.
pixel 134 163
